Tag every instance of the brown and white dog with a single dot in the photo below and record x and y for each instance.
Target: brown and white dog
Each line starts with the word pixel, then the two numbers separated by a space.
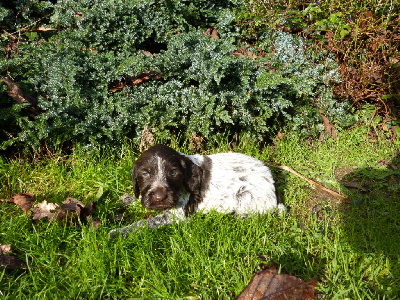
pixel 181 185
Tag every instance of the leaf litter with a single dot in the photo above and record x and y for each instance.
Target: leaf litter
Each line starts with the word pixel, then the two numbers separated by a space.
pixel 272 285
pixel 71 210
pixel 8 261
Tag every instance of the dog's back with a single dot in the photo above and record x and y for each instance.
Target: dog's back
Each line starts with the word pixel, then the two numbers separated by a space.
pixel 238 183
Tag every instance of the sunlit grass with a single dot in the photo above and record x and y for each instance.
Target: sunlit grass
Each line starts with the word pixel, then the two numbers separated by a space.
pixel 351 249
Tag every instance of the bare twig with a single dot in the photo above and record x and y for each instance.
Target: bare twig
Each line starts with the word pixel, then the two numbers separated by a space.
pixel 15 92
pixel 289 169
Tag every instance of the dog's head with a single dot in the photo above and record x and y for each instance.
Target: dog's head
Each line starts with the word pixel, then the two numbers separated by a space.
pixel 160 175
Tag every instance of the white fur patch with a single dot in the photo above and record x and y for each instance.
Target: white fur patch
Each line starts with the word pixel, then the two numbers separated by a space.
pixel 239 184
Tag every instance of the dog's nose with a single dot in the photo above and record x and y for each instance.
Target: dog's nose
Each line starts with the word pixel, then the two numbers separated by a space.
pixel 159 195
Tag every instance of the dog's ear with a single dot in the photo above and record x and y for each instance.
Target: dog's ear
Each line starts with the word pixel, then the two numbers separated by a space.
pixel 135 183
pixel 192 175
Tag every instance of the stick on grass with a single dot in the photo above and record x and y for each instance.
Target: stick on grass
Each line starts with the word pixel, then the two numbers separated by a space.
pixel 289 169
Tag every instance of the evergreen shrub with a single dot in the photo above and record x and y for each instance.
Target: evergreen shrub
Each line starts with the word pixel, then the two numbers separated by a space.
pixel 196 83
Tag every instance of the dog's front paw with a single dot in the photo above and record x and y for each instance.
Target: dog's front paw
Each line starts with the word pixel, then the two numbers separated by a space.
pixel 124 231
pixel 113 234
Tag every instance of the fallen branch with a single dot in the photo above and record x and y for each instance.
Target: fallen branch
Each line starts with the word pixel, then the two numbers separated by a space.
pixel 130 81
pixel 15 92
pixel 289 169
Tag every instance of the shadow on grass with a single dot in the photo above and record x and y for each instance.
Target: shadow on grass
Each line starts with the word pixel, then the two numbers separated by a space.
pixel 372 220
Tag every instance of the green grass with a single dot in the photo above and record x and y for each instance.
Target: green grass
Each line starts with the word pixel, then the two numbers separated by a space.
pixel 352 249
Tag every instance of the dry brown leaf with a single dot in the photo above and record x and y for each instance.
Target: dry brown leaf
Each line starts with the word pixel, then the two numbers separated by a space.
pixel 148 215
pixel 119 85
pixel 329 127
pixel 86 212
pixel 279 136
pixel 147 53
pixel 237 54
pixel 147 139
pixel 212 32
pixel 44 210
pixel 387 163
pixel 269 284
pixel 196 142
pixel 92 50
pixel 5 249
pixel 71 210
pixel 143 77
pixel 78 14
pixel 240 52
pixel 10 262
pixel 23 200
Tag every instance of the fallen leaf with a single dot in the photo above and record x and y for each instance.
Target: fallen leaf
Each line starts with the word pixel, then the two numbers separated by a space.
pixel 147 53
pixel 386 163
pixel 5 248
pixel 329 128
pixel 44 210
pixel 147 139
pixel 70 210
pixel 130 81
pixel 10 262
pixel 143 77
pixel 269 284
pixel 243 52
pixel 279 135
pixel 77 14
pixel 23 200
pixel 237 54
pixel 92 50
pixel 72 204
pixel 86 212
pixel 214 33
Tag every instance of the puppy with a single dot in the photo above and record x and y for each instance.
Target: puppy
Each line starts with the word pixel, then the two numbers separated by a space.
pixel 181 185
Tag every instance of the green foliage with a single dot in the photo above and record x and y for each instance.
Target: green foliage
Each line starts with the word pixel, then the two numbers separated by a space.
pixel 202 88
pixel 360 33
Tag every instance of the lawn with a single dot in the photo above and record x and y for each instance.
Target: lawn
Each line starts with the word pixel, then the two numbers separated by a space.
pixel 351 248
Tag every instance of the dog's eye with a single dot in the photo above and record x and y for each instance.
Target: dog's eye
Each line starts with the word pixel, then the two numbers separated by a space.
pixel 173 173
pixel 145 173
